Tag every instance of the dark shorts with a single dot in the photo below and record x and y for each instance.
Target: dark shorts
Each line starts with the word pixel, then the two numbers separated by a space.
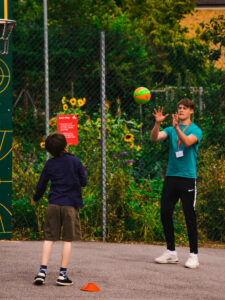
pixel 62 222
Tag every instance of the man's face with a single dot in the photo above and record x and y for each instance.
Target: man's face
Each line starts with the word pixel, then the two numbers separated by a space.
pixel 184 112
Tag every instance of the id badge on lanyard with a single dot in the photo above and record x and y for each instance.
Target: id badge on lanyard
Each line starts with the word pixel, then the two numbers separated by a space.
pixel 180 153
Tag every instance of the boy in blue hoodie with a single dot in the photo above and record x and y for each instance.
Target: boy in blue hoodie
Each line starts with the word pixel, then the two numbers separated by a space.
pixel 67 176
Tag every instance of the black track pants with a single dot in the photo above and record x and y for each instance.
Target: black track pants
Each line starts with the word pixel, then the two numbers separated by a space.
pixel 185 189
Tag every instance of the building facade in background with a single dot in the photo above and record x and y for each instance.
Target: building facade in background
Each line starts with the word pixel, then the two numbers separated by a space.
pixel 205 11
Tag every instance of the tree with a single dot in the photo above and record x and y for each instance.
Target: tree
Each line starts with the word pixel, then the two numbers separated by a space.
pixel 76 13
pixel 157 19
pixel 214 33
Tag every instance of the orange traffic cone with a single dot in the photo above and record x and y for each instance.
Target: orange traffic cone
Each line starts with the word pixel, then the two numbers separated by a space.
pixel 91 287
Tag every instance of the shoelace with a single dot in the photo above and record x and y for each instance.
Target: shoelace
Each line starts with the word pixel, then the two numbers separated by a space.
pixel 64 276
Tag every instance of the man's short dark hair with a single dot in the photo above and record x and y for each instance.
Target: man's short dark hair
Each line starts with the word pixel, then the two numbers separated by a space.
pixel 186 102
pixel 55 144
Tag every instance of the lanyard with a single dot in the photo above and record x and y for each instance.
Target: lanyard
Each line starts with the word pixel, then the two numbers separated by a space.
pixel 178 140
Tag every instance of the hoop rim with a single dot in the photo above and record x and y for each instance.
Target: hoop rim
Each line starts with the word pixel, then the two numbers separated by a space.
pixel 7 21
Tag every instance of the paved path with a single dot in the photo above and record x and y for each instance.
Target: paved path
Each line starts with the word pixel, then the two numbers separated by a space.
pixel 122 271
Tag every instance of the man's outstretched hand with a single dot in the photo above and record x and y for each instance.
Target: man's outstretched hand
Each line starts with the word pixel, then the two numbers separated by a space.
pixel 158 114
pixel 175 120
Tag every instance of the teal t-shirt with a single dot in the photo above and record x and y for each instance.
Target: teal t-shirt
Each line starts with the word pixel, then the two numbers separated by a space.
pixel 184 166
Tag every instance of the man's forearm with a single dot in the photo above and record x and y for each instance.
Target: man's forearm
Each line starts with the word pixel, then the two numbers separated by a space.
pixel 155 132
pixel 185 140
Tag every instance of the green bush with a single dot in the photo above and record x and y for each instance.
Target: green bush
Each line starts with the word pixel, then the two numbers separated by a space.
pixel 211 191
pixel 133 209
pixel 27 222
pixel 133 197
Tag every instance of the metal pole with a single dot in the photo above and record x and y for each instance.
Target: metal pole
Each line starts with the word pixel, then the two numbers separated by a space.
pixel 45 4
pixel 5 9
pixel 103 132
pixel 200 99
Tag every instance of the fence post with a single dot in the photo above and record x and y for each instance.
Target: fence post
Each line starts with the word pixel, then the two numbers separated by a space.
pixel 200 99
pixel 103 132
pixel 45 4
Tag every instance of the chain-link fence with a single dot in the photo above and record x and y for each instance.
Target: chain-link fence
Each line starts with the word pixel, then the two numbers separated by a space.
pixel 135 165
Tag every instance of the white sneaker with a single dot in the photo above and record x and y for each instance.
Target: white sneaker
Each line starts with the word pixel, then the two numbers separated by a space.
pixel 192 261
pixel 168 257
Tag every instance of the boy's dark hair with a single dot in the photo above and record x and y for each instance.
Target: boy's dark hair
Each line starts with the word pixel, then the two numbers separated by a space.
pixel 186 102
pixel 55 144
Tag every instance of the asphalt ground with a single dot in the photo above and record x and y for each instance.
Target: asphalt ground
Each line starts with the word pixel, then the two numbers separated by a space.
pixel 121 271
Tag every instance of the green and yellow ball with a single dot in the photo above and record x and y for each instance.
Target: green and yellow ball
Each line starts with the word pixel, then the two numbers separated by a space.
pixel 142 95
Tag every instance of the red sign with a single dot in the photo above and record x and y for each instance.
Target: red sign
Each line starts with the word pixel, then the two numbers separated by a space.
pixel 67 124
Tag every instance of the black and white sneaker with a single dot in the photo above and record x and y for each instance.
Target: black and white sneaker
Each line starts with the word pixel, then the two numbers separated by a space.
pixel 39 279
pixel 61 280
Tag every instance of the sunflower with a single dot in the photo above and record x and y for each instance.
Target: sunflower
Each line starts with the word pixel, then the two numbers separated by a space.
pixel 99 120
pixel 42 144
pixel 84 100
pixel 107 106
pixel 52 122
pixel 63 100
pixel 138 148
pixel 65 107
pixel 16 146
pixel 73 101
pixel 131 145
pixel 80 102
pixel 129 137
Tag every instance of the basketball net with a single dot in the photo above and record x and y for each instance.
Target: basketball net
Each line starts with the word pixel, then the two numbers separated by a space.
pixel 6 28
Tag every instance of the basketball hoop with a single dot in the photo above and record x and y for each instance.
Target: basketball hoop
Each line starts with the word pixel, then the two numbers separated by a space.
pixel 6 28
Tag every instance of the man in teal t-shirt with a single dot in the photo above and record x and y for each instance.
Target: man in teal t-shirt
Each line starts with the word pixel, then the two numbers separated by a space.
pixel 180 182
